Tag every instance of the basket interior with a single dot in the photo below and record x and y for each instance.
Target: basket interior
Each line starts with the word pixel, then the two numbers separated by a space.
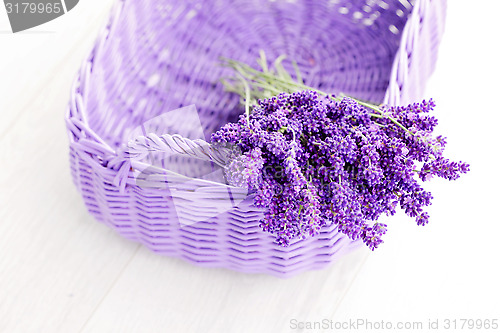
pixel 164 54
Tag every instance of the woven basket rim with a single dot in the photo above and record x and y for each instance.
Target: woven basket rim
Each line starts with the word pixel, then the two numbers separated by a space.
pixel 232 238
pixel 79 92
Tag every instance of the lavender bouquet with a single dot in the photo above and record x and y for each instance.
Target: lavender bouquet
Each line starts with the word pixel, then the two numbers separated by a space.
pixel 312 159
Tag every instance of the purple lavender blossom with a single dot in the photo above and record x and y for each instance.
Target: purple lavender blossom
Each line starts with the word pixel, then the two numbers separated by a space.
pixel 313 161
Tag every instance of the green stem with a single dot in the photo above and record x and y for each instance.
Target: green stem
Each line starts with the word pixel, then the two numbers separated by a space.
pixel 266 81
pixel 247 99
pixel 391 119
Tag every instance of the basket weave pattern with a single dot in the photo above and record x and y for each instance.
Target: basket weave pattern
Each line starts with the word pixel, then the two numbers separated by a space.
pixel 158 56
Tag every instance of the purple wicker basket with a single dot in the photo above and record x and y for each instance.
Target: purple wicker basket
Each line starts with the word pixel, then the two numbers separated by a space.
pixel 157 56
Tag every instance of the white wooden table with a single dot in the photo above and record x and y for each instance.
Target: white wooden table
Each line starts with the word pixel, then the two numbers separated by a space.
pixel 60 271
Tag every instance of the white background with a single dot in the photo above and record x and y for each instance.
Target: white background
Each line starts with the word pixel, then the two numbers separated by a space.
pixel 60 271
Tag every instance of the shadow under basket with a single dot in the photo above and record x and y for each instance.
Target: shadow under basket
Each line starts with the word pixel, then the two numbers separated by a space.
pixel 149 96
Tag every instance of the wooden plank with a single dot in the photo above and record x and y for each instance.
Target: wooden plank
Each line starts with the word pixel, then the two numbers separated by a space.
pixel 54 50
pixel 159 294
pixel 57 263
